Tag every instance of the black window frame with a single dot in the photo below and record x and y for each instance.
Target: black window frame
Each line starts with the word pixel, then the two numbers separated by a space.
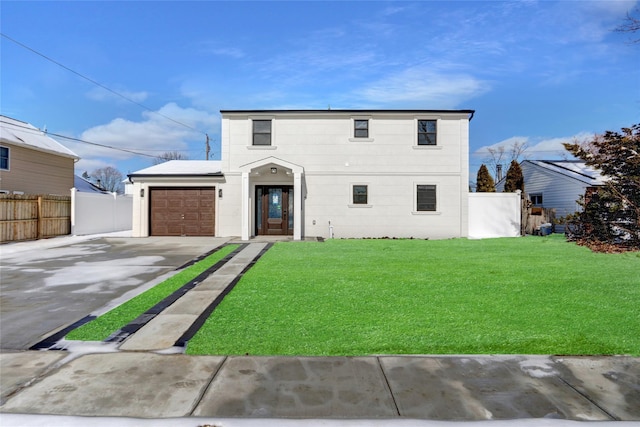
pixel 425 135
pixel 536 199
pixel 4 159
pixel 430 192
pixel 360 132
pixel 260 133
pixel 360 198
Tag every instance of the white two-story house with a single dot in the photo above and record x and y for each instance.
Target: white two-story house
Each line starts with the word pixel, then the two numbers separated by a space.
pixel 317 173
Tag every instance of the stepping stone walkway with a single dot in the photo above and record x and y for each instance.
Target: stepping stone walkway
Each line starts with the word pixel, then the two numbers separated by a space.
pixel 166 328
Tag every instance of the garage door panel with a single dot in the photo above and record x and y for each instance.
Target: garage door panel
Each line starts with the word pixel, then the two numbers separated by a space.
pixel 182 211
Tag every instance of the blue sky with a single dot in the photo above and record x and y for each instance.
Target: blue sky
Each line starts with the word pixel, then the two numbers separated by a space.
pixel 536 71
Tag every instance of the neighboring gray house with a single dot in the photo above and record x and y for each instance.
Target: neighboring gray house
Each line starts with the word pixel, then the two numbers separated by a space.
pixel 556 184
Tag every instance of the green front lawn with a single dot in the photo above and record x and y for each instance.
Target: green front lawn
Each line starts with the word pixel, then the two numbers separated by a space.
pixel 531 295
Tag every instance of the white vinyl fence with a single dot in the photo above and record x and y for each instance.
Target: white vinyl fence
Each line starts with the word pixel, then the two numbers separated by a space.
pixel 93 213
pixel 494 215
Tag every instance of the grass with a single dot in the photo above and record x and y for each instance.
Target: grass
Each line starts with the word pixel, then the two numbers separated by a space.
pixel 103 326
pixel 532 295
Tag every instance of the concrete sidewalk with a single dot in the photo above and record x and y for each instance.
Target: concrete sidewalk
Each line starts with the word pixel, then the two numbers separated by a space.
pixel 147 377
pixel 456 388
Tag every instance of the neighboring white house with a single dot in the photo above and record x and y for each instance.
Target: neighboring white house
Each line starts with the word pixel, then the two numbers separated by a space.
pixel 556 184
pixel 317 173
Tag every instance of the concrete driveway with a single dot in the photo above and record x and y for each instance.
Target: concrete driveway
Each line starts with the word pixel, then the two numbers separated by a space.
pixel 49 284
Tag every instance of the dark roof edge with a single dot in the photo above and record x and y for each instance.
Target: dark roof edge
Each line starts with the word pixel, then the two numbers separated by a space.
pixel 563 169
pixel 349 111
pixel 179 175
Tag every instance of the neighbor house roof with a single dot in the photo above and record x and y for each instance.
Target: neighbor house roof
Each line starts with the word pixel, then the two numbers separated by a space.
pixel 84 186
pixel 15 132
pixel 182 168
pixel 576 169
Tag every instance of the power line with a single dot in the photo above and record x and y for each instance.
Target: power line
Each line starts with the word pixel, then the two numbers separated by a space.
pixel 77 140
pixel 97 83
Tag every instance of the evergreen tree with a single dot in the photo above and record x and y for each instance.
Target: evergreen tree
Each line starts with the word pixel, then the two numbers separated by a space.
pixel 514 180
pixel 484 181
pixel 610 219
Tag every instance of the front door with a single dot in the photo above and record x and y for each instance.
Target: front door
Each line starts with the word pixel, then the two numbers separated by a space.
pixel 274 210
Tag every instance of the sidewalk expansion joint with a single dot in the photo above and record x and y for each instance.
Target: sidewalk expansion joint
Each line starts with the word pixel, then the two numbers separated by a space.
pixel 197 324
pixel 205 389
pixel 590 400
pixel 386 380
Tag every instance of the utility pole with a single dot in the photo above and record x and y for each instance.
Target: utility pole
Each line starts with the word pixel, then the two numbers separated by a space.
pixel 207 147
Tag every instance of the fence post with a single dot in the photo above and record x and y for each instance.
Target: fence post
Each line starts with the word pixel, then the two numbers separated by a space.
pixel 39 217
pixel 74 206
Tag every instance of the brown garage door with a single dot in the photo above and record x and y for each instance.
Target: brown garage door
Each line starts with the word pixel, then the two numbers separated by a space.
pixel 182 211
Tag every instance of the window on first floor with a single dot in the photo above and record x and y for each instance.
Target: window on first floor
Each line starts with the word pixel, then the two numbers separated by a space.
pixel 536 199
pixel 427 132
pixel 426 198
pixel 361 129
pixel 4 158
pixel 360 194
pixel 261 132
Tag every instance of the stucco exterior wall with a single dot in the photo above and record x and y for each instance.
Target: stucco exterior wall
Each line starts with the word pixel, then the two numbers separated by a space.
pixel 36 172
pixel 389 162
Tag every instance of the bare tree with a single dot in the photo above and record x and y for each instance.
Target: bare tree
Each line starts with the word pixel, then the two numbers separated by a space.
pixel 505 154
pixel 108 178
pixel 631 25
pixel 169 155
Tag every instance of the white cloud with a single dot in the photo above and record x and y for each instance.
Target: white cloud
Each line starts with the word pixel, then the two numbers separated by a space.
pixel 424 86
pixel 538 148
pixel 157 132
pixel 89 165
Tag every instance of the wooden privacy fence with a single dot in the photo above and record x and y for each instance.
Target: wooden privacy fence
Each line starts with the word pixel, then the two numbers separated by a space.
pixel 30 217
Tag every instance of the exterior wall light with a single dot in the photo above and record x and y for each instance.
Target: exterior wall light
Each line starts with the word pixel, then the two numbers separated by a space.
pixel 142 192
pixel 220 193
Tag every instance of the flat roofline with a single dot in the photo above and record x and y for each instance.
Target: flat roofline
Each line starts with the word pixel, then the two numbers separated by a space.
pixel 348 111
pixel 178 175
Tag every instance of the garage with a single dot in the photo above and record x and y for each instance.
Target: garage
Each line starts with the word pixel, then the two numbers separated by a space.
pixel 183 211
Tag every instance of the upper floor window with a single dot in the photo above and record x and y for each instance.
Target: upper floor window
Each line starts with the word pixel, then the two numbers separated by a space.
pixel 361 128
pixel 360 193
pixel 261 132
pixel 427 132
pixel 4 158
pixel 426 198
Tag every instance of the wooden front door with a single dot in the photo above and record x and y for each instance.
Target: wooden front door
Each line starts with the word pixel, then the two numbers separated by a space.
pixel 274 210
